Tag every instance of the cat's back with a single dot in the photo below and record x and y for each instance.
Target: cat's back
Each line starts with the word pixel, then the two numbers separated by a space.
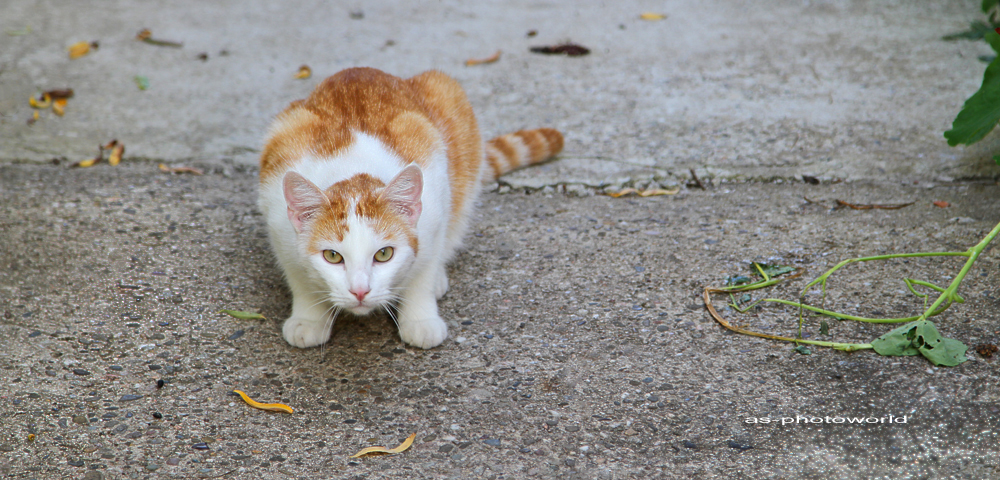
pixel 412 118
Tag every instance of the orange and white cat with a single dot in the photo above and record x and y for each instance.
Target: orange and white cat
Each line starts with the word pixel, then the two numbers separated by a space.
pixel 367 187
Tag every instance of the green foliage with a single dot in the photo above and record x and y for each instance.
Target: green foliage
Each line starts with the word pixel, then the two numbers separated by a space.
pixel 981 111
pixel 921 337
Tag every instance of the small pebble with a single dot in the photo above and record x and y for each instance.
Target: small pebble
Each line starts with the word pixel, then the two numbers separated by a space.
pixel 81 372
pixel 157 415
pixel 200 446
pixel 739 446
pixel 236 334
pixel 129 398
pixel 172 461
pixel 446 448
pixel 159 384
pixel 493 442
pixel 661 328
pixel 93 475
pixel 80 420
pixel 152 467
pixel 689 444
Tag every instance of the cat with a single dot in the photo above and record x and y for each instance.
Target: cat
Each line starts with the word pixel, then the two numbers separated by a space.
pixel 367 187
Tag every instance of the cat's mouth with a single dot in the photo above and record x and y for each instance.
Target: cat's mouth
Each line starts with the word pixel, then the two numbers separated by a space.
pixel 360 309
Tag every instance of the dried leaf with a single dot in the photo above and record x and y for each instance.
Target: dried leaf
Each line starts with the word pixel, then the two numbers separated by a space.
pixel 145 35
pixel 240 314
pixel 304 72
pixel 400 449
pixel 43 103
pixel 479 61
pixel 78 50
pixel 34 117
pixel 645 193
pixel 142 82
pixel 896 206
pixel 117 150
pixel 60 93
pixel 59 107
pixel 568 49
pixel 18 33
pixel 271 407
pixel 941 203
pixel 652 16
pixel 86 163
pixel 191 170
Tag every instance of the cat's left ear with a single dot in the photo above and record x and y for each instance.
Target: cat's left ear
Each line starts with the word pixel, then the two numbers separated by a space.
pixel 304 200
pixel 403 193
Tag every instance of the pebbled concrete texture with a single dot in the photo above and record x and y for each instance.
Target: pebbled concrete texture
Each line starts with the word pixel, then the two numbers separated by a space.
pixel 737 89
pixel 579 348
pixel 579 343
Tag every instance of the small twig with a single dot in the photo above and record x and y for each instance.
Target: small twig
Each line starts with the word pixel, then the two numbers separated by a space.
pixel 696 180
pixel 896 206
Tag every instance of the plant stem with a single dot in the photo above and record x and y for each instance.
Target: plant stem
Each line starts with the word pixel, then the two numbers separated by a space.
pixel 973 254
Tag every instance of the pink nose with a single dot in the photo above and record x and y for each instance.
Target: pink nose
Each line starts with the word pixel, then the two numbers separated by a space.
pixel 360 293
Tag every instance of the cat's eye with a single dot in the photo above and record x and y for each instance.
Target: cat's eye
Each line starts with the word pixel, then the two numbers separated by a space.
pixel 332 256
pixel 383 255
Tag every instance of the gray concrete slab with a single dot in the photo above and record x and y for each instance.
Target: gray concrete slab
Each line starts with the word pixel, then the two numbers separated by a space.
pixel 849 90
pixel 580 347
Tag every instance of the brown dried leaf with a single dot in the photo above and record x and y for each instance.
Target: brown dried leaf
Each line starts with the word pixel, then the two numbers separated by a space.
pixel 941 204
pixel 568 49
pixel 60 93
pixel 145 35
pixel 896 206
pixel 304 72
pixel 479 61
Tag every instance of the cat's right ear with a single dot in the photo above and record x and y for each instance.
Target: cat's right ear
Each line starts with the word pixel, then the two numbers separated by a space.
pixel 304 199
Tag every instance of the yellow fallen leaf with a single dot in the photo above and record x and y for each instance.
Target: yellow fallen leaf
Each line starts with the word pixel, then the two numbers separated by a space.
pixel 45 102
pixel 479 61
pixel 304 72
pixel 652 16
pixel 191 170
pixel 86 163
pixel 78 50
pixel 34 117
pixel 59 107
pixel 644 193
pixel 116 153
pixel 400 449
pixel 271 407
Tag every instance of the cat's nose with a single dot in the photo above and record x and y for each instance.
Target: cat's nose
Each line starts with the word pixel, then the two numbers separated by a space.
pixel 359 293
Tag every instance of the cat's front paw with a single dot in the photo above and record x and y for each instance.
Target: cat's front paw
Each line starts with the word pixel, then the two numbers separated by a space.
pixel 425 333
pixel 304 333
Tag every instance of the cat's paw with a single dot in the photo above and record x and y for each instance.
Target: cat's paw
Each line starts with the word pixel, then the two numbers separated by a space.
pixel 441 283
pixel 304 333
pixel 426 333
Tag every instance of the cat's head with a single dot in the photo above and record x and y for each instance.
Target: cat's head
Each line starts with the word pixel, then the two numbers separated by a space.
pixel 359 236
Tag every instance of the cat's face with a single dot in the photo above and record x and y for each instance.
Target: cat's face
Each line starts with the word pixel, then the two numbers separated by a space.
pixel 364 268
pixel 359 236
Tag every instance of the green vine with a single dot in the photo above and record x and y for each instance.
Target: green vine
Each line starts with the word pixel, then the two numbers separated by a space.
pixel 920 336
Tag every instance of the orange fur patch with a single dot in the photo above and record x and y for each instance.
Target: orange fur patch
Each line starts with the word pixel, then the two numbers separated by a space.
pixel 363 191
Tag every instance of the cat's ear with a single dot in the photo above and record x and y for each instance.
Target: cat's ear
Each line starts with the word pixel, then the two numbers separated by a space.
pixel 403 193
pixel 305 200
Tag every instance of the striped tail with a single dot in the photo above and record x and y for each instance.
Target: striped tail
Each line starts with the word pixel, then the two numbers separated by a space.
pixel 519 149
